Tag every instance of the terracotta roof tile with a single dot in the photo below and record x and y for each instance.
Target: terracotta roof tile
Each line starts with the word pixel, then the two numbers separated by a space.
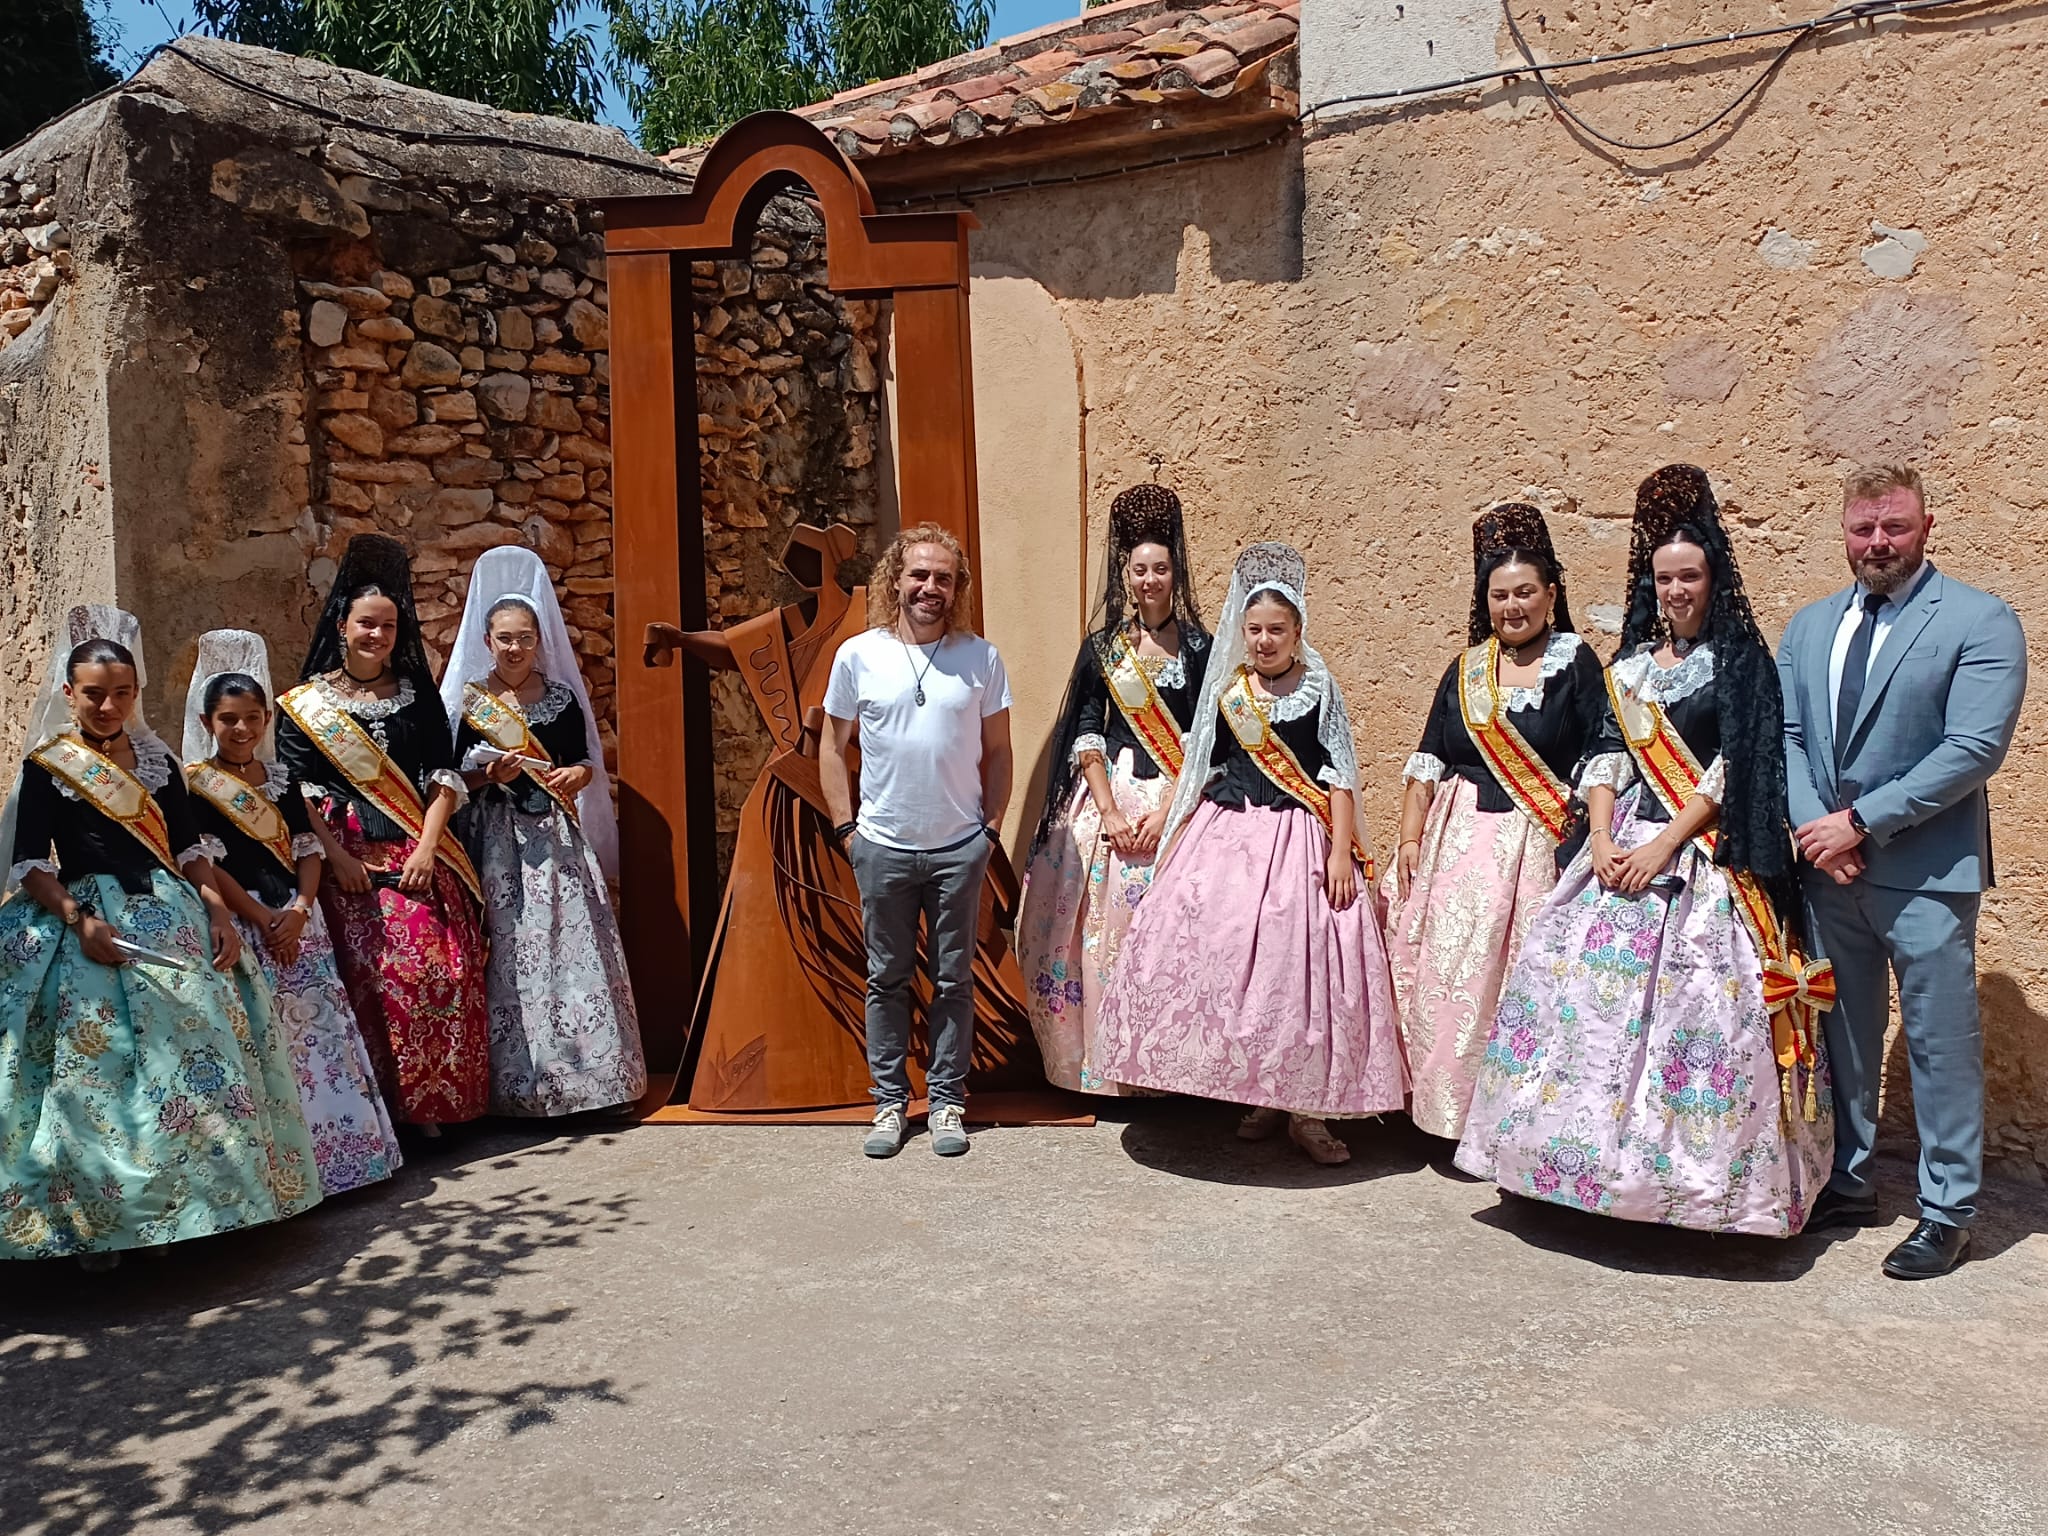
pixel 1127 55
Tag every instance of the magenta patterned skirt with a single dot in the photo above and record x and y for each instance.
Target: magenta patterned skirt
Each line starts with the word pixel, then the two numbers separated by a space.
pixel 1240 982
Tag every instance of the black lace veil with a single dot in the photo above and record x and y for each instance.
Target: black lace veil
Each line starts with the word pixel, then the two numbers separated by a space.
pixel 1513 531
pixel 371 560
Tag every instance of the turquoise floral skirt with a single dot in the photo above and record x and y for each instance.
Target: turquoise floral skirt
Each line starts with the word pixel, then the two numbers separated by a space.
pixel 139 1104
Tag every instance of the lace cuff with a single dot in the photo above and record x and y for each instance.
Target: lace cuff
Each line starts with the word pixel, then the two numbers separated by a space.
pixel 1714 781
pixel 1421 768
pixel 304 843
pixel 314 791
pixel 1332 777
pixel 473 761
pixel 203 849
pixel 21 871
pixel 448 778
pixel 1615 770
pixel 1091 742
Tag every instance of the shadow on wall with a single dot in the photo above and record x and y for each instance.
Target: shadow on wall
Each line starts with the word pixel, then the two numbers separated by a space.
pixel 1123 239
pixel 233 1379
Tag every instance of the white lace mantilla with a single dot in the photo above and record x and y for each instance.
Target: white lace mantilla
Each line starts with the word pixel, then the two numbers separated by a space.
pixel 152 765
pixel 1557 657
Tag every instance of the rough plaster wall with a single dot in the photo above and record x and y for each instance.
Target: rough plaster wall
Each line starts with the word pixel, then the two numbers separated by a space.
pixel 1581 322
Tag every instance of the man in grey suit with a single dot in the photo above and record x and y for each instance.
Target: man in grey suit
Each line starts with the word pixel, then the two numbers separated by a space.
pixel 1901 694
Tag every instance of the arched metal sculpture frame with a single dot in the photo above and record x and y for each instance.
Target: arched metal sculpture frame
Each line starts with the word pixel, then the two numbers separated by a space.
pixel 669 884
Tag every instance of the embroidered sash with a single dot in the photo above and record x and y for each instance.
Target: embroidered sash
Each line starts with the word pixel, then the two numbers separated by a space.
pixel 250 811
pixel 1796 990
pixel 1137 700
pixel 111 790
pixel 1537 792
pixel 364 764
pixel 1276 760
pixel 506 729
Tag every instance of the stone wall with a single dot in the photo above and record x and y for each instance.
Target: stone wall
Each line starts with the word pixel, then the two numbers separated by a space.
pixel 35 254
pixel 1478 302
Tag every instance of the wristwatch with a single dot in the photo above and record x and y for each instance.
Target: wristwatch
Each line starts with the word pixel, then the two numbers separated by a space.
pixel 844 830
pixel 75 916
pixel 1856 820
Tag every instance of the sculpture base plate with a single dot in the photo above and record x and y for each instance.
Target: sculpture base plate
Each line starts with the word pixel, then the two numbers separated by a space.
pixel 1046 1107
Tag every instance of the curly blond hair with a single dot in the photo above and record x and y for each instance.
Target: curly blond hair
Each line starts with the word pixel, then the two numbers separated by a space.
pixel 884 601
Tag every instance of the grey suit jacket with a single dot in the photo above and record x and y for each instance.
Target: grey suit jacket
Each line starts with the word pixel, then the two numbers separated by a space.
pixel 1935 721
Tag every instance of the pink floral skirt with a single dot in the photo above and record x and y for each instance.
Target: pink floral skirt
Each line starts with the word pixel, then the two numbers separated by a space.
pixel 1630 1071
pixel 1479 877
pixel 1079 898
pixel 414 970
pixel 1239 981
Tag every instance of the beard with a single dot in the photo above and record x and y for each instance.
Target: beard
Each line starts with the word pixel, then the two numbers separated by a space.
pixel 1888 578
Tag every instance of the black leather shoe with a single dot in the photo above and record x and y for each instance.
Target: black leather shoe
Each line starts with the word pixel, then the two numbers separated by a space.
pixel 1932 1250
pixel 1836 1210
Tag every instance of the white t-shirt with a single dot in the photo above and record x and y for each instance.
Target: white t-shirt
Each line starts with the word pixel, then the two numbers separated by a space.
pixel 920 764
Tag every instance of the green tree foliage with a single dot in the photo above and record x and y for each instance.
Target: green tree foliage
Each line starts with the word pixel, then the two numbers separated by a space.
pixel 690 68
pixel 522 55
pixel 51 58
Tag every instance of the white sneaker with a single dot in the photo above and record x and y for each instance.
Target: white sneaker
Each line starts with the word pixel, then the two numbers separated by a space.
pixel 949 1133
pixel 885 1139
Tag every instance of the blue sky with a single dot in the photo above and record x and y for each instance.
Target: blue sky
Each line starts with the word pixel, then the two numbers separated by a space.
pixel 145 23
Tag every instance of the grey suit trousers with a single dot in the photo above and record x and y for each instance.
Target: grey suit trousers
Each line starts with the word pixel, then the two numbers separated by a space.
pixel 1928 940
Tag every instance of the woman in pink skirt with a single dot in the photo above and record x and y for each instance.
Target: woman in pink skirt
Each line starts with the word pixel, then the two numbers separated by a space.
pixel 1253 972
pixel 1115 760
pixel 1486 805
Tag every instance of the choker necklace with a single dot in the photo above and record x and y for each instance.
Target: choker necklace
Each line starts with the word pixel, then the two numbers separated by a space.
pixel 1682 646
pixel 230 764
pixel 1154 630
pixel 101 743
pixel 1540 641
pixel 365 682
pixel 512 687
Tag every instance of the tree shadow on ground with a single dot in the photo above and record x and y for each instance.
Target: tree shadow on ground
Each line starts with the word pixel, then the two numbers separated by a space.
pixel 1197 1139
pixel 290 1367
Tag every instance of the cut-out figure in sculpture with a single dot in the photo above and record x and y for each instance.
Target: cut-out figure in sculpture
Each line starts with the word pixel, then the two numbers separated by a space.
pixel 778 1023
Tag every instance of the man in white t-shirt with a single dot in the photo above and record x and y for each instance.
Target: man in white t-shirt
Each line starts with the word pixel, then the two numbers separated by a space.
pixel 931 704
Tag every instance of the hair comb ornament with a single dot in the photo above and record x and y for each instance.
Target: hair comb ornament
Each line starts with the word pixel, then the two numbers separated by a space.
pixel 1511 525
pixel 1673 495
pixel 1144 514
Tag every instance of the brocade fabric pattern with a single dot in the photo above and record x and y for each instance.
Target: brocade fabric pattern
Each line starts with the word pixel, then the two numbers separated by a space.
pixel 1630 1070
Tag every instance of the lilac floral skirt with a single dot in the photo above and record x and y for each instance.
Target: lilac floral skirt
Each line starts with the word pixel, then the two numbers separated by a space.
pixel 1239 981
pixel 1630 1070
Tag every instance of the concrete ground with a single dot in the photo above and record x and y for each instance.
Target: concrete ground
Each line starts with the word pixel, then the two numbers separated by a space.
pixel 1144 1327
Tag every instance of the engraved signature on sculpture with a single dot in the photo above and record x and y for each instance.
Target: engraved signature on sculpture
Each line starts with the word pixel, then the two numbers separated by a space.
pixel 730 1073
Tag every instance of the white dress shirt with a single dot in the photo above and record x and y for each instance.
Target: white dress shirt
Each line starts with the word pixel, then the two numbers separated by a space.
pixel 1845 632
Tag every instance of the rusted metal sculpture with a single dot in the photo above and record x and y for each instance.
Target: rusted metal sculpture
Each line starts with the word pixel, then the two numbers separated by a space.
pixel 777 1022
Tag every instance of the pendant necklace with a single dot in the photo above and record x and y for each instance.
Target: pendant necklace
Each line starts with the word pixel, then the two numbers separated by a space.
pixel 917 676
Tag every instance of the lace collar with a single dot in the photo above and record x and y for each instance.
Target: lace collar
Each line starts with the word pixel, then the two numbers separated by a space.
pixel 1665 685
pixel 545 710
pixel 152 762
pixel 276 780
pixel 369 709
pixel 1557 657
pixel 1301 703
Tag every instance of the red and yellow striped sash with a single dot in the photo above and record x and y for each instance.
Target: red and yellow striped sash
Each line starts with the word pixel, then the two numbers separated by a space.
pixel 1539 793
pixel 379 780
pixel 1137 699
pixel 111 790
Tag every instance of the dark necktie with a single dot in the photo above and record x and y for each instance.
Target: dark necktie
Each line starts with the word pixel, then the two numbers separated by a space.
pixel 1855 666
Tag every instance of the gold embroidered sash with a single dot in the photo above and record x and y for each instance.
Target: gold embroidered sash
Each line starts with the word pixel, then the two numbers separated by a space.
pixel 1276 760
pixel 111 790
pixel 249 811
pixel 506 729
pixel 1137 700
pixel 1796 990
pixel 364 764
pixel 1537 792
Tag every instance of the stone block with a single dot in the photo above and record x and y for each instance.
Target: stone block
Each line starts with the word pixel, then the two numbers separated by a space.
pixel 358 300
pixel 326 322
pixel 505 395
pixel 515 330
pixel 393 408
pixel 558 362
pixel 472 359
pixel 427 363
pixel 341 400
pixel 357 432
pixel 462 470
pixel 503 361
pixel 558 284
pixel 552 542
pixel 394 285
pixel 457 406
pixel 515 492
pixel 588 324
pixel 583 450
pixel 555 413
pixel 361 359
pixel 459 506
pixel 388 472
pixel 425 441
pixel 561 487
pixel 349 496
pixel 476 538
pixel 437 317
pixel 281 188
pixel 384 328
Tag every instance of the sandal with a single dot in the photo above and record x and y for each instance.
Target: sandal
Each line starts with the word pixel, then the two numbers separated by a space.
pixel 1313 1137
pixel 1258 1124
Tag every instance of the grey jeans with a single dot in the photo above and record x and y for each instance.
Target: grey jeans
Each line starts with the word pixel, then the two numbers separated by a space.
pixel 897 887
